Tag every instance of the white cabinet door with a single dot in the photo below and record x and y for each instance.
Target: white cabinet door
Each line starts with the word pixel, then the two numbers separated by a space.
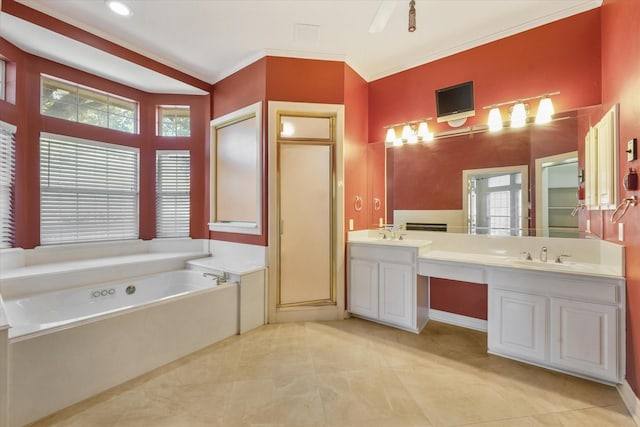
pixel 396 294
pixel 584 338
pixel 363 287
pixel 518 324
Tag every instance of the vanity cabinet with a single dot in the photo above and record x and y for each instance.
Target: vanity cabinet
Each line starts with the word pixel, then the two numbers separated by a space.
pixel 518 324
pixel 382 285
pixel 584 337
pixel 571 323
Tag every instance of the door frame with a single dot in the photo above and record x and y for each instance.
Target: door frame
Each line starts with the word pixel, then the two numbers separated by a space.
pixel 542 162
pixel 304 313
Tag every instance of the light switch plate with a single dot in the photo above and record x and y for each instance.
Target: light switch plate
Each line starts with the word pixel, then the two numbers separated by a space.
pixel 632 150
pixel 350 224
pixel 621 232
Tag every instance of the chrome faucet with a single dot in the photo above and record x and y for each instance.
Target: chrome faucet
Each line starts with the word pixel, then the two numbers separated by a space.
pixel 543 254
pixel 220 278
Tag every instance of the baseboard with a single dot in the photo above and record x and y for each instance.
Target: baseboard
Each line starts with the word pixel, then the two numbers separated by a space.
pixel 630 400
pixel 458 320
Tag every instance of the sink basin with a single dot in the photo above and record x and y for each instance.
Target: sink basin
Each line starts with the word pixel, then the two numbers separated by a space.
pixel 565 265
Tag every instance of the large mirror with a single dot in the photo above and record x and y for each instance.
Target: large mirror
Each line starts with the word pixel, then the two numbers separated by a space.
pixel 510 182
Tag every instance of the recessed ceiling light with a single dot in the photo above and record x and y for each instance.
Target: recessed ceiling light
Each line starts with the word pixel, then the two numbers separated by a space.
pixel 119 7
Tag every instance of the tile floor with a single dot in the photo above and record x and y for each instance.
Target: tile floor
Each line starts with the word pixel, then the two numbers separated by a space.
pixel 350 373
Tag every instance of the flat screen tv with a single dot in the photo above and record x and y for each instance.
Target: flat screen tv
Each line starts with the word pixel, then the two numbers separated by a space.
pixel 455 102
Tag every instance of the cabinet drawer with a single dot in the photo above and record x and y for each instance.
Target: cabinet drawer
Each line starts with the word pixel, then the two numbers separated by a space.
pixel 451 271
pixel 379 253
pixel 603 290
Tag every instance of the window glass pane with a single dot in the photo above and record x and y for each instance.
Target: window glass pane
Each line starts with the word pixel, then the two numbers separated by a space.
pixel 72 102
pixel 297 127
pixel 172 193
pixel 174 120
pixel 88 191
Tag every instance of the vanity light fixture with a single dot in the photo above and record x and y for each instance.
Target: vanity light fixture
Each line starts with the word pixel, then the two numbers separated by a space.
pixel 412 133
pixel 519 112
pixel 119 7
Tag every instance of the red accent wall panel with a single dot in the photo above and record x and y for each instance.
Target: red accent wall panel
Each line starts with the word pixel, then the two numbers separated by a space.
pixel 621 84
pixel 355 149
pixel 305 80
pixel 453 296
pixel 561 56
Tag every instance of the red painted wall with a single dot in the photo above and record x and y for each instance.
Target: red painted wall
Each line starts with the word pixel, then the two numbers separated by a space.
pixel 355 152
pixel 621 84
pixel 305 80
pixel 26 115
pixel 452 296
pixel 561 56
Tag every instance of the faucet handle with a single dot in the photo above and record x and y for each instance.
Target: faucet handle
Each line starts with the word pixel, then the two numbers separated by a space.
pixel 559 258
pixel 528 255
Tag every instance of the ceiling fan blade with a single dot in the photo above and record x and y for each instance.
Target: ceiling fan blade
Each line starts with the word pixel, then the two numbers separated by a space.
pixel 385 10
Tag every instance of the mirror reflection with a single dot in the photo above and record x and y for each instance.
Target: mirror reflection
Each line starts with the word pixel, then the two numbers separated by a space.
pixel 458 181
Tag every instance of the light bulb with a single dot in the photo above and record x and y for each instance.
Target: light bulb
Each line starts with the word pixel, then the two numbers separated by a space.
pixel 545 111
pixel 397 142
pixel 287 129
pixel 423 130
pixel 495 120
pixel 406 132
pixel 391 135
pixel 518 116
pixel 413 139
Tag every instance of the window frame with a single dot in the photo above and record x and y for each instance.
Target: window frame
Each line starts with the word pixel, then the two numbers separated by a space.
pixel 255 142
pixel 110 103
pixel 3 79
pixel 160 116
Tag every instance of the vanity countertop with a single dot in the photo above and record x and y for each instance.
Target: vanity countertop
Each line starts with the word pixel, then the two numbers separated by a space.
pixel 409 243
pixel 496 260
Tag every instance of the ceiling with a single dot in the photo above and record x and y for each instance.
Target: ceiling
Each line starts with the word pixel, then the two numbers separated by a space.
pixel 211 39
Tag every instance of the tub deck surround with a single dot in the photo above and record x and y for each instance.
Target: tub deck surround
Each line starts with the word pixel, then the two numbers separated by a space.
pixel 49 268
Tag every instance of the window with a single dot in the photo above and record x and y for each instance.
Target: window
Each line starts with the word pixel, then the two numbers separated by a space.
pixel 3 78
pixel 69 101
pixel 7 173
pixel 496 205
pixel 88 191
pixel 172 193
pixel 174 120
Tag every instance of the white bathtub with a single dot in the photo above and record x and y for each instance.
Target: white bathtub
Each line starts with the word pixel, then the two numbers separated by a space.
pixel 68 345
pixel 42 312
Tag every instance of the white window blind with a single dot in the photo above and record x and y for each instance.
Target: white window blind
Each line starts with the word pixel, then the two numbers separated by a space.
pixel 88 191
pixel 7 179
pixel 173 175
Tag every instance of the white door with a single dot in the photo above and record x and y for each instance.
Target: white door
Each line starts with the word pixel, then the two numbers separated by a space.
pixel 363 288
pixel 584 338
pixel 396 294
pixel 518 324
